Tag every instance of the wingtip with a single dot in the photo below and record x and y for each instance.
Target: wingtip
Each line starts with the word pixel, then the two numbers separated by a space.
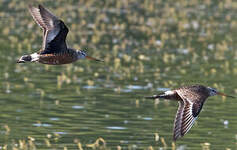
pixel 30 6
pixel 40 6
pixel 176 137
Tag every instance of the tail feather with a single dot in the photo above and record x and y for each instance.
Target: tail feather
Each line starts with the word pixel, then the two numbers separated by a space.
pixel 29 58
pixel 24 59
pixel 155 96
pixel 165 95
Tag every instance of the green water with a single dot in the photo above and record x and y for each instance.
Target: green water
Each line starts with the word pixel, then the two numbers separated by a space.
pixel 148 47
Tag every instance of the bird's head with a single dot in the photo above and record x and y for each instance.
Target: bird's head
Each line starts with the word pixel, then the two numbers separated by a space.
pixel 213 91
pixel 81 54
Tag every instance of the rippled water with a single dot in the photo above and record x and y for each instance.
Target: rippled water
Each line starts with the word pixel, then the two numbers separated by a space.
pixel 146 51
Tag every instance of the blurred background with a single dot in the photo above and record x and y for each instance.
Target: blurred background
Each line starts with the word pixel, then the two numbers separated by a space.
pixel 148 47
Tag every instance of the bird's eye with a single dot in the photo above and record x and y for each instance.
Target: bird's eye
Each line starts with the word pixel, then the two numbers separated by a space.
pixel 83 53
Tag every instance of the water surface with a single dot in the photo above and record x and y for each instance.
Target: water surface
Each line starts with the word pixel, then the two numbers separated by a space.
pixel 148 47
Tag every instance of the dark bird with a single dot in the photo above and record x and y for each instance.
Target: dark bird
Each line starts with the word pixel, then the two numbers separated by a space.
pixel 191 100
pixel 54 48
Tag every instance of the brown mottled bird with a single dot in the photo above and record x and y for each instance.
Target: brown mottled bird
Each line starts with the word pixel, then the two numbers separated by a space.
pixel 54 48
pixel 191 100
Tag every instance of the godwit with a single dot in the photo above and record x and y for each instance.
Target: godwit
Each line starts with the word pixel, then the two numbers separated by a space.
pixel 54 48
pixel 191 100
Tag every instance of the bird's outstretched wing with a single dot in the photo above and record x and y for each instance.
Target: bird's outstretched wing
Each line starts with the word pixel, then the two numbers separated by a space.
pixel 55 31
pixel 186 115
pixel 188 111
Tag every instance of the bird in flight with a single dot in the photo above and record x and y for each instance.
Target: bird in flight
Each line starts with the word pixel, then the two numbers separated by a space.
pixel 191 100
pixel 54 49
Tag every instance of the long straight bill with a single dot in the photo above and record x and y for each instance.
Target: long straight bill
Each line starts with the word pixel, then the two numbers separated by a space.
pixel 223 94
pixel 92 58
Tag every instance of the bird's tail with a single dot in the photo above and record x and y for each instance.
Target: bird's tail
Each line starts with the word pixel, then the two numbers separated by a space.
pixel 156 96
pixel 25 58
pixel 29 58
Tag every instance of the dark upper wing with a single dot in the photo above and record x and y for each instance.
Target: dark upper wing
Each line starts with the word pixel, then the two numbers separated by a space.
pixel 55 31
pixel 195 94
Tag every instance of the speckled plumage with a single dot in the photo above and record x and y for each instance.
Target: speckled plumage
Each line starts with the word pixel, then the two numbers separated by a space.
pixel 191 100
pixel 54 48
pixel 58 58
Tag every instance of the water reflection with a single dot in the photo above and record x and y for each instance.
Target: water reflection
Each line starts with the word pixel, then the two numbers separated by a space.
pixel 116 128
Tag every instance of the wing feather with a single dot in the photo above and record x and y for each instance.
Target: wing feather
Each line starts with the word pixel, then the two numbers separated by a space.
pixel 184 119
pixel 178 121
pixel 193 98
pixel 35 13
pixel 55 31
